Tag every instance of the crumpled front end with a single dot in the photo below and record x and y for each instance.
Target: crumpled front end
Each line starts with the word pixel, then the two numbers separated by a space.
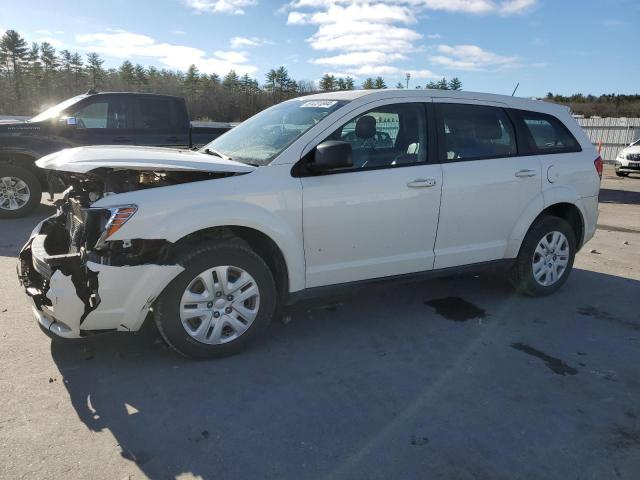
pixel 81 283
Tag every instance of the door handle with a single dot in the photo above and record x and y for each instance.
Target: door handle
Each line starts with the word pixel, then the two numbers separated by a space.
pixel 422 183
pixel 122 139
pixel 526 173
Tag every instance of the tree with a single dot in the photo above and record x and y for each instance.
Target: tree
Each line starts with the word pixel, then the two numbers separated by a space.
pixel 399 85
pixel 127 73
pixel 13 53
pixel 327 83
pixel 443 84
pixel 95 70
pixel 379 83
pixel 76 64
pixel 231 80
pixel 455 84
pixel 348 83
pixel 368 84
pixel 192 82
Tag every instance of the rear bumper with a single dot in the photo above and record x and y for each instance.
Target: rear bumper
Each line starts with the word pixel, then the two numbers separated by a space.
pixel 73 297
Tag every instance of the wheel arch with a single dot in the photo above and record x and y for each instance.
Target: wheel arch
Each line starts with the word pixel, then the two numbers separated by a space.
pixel 562 203
pixel 25 159
pixel 258 241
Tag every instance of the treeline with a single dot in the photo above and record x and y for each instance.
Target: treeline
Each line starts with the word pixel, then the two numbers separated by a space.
pixel 608 105
pixel 35 75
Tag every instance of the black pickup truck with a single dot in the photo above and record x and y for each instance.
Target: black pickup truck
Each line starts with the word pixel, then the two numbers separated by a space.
pixel 108 118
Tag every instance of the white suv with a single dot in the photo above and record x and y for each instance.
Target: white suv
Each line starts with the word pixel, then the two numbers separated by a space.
pixel 315 192
pixel 628 160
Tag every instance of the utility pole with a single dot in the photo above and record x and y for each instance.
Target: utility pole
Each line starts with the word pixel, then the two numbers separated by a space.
pixel 408 77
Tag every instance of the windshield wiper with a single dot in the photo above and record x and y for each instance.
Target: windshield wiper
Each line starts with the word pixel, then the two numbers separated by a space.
pixel 210 151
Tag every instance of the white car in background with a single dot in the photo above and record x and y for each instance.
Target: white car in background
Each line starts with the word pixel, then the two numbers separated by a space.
pixel 310 195
pixel 628 160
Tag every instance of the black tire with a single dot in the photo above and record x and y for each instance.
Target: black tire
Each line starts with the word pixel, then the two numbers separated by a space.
pixel 522 273
pixel 622 174
pixel 195 260
pixel 35 190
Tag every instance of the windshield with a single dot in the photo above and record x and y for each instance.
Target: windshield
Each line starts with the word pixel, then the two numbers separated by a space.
pixel 56 109
pixel 636 143
pixel 261 138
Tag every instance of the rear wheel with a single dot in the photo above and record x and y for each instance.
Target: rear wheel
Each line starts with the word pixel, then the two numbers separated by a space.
pixel 20 191
pixel 622 174
pixel 546 257
pixel 222 300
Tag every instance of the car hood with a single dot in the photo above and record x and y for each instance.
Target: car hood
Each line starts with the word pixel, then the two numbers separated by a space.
pixel 86 159
pixel 634 149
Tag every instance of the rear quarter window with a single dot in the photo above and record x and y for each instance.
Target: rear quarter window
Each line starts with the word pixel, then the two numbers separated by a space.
pixel 547 134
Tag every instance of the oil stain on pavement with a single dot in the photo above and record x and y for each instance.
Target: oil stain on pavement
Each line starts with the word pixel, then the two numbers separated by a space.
pixel 456 309
pixel 556 365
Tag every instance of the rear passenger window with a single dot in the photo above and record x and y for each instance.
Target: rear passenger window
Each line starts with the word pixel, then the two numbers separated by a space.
pixel 154 114
pixel 549 134
pixel 473 132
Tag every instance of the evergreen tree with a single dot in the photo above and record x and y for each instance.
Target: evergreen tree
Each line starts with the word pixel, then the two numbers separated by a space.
pixel 13 55
pixel 327 83
pixel 95 70
pixel 443 84
pixel 455 84
pixel 127 74
pixel 379 83
pixel 349 83
pixel 368 84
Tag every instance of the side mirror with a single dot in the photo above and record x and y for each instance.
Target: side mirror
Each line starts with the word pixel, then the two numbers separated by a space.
pixel 331 155
pixel 69 121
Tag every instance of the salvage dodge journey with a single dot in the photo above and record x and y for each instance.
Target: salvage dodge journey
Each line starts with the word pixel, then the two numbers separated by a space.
pixel 315 193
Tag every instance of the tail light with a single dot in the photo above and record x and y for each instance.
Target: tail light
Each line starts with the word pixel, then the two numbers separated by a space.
pixel 599 164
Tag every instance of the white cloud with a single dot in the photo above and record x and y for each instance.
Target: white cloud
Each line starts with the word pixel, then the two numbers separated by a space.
pixel 49 32
pixel 247 42
pixel 359 58
pixel 471 57
pixel 54 42
pixel 127 45
pixel 179 32
pixel 434 36
pixel 234 7
pixel 369 37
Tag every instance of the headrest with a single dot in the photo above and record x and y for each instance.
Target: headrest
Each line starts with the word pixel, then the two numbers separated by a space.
pixel 366 127
pixel 488 128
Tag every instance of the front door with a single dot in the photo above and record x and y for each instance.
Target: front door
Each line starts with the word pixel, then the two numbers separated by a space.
pixel 378 218
pixel 103 120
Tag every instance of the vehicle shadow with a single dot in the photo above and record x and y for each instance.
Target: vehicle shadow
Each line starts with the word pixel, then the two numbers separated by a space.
pixel 14 232
pixel 628 197
pixel 377 385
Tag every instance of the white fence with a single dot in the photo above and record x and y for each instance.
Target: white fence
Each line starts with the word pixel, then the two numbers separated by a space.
pixel 612 133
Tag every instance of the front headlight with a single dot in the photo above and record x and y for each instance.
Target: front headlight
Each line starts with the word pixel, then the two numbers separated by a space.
pixel 119 215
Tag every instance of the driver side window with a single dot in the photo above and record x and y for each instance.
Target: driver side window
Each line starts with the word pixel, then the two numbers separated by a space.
pixel 386 136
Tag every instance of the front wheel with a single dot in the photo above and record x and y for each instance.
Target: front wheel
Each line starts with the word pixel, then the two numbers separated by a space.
pixel 546 257
pixel 622 174
pixel 222 300
pixel 20 191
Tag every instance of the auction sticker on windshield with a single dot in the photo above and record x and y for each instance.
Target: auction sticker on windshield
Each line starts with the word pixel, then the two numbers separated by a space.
pixel 319 104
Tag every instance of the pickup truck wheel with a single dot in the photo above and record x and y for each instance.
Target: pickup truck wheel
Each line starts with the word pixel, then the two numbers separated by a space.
pixel 546 257
pixel 222 300
pixel 20 191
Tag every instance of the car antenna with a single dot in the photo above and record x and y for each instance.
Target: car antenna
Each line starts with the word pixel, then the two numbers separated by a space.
pixel 514 90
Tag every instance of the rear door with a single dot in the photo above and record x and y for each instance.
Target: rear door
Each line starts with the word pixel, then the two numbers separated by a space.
pixel 160 121
pixel 486 184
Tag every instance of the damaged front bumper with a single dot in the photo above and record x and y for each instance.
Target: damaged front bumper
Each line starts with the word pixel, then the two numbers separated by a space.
pixel 74 294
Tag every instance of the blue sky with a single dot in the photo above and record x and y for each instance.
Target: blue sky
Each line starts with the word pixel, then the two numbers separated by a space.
pixel 563 46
